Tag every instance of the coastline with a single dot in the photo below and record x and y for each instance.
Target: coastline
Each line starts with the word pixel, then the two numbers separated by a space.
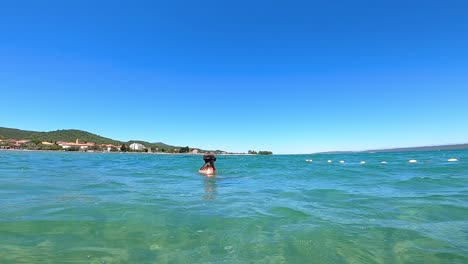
pixel 128 152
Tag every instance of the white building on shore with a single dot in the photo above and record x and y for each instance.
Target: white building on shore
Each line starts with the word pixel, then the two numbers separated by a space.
pixel 77 144
pixel 137 147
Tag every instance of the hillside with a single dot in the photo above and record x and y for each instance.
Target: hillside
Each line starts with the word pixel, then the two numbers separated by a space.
pixel 159 145
pixel 408 149
pixel 7 133
pixel 425 148
pixel 70 135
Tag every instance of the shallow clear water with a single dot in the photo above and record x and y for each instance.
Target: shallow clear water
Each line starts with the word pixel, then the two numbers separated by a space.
pixel 137 208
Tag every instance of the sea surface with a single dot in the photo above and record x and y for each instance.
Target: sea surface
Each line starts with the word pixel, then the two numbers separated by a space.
pixel 58 207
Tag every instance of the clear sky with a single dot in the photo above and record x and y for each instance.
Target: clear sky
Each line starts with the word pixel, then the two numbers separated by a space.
pixel 286 76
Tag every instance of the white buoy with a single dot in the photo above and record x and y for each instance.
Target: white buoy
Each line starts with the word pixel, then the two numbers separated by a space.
pixel 383 162
pixel 452 160
pixel 412 161
pixel 363 162
pixel 341 161
pixel 329 161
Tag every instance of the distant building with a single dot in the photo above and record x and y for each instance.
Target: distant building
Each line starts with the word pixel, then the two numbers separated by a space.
pixel 195 151
pixel 12 143
pixel 137 147
pixel 4 144
pixel 81 146
pixel 109 147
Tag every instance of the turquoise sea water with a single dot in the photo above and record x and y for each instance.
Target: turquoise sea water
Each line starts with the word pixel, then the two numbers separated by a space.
pixel 137 208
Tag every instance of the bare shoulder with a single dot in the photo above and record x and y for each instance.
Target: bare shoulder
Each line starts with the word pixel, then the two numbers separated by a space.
pixel 207 171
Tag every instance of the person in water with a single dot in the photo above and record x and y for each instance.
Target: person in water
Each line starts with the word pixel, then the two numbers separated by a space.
pixel 209 167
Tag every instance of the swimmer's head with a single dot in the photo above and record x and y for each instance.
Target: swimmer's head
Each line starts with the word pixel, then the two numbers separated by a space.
pixel 208 168
pixel 209 158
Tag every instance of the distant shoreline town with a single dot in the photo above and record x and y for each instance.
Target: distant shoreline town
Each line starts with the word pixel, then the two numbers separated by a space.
pixel 26 144
pixel 78 140
pixel 16 139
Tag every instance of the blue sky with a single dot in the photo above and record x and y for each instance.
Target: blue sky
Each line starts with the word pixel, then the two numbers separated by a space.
pixel 286 76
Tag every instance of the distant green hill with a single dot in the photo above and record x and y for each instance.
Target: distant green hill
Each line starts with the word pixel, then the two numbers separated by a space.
pixel 7 133
pixel 158 145
pixel 408 149
pixel 425 148
pixel 70 135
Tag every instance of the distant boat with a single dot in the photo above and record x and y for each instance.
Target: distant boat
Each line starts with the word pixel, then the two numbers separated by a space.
pixel 412 161
pixel 363 162
pixel 452 160
pixel 383 162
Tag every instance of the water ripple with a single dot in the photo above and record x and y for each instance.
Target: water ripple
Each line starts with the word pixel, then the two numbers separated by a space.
pixel 132 208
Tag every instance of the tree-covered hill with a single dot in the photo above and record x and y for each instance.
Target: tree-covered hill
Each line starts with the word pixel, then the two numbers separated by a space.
pixel 7 133
pixel 158 145
pixel 69 135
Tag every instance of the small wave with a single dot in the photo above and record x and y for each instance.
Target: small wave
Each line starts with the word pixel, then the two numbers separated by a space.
pixel 421 181
pixel 288 212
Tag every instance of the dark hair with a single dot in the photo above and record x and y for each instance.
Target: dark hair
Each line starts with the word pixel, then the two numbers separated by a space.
pixel 209 157
pixel 209 161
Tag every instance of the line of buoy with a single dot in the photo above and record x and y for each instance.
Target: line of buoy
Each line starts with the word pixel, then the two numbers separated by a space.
pixel 384 162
